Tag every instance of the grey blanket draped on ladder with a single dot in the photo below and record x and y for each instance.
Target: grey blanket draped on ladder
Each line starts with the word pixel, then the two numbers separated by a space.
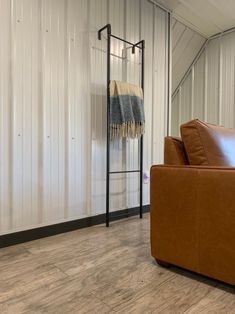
pixel 126 110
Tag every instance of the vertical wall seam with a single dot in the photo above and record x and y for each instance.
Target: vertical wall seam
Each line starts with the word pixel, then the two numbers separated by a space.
pixel 124 77
pixel 206 85
pixel 140 20
pixel 192 93
pixel 40 114
pixel 66 103
pixel 233 85
pixel 89 125
pixel 11 115
pixel 168 78
pixel 180 106
pixel 220 82
pixel 140 25
pixel 153 85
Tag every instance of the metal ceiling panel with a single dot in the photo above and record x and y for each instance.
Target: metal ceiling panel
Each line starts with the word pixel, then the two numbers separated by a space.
pixel 186 44
pixel 207 17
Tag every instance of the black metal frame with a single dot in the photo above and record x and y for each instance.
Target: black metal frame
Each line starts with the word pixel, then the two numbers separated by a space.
pixel 140 45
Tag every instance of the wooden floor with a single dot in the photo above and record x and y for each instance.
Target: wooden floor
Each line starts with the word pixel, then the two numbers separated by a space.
pixel 100 270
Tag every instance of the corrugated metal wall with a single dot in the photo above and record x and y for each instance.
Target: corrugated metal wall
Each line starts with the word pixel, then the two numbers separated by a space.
pixel 53 106
pixel 186 44
pixel 207 92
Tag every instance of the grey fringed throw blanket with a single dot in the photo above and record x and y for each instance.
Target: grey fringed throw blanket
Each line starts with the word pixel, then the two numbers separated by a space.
pixel 126 110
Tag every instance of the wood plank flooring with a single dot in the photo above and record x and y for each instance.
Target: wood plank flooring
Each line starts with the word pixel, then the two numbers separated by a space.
pixel 100 270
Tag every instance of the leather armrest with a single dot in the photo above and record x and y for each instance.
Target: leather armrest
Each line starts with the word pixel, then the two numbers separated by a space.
pixel 193 218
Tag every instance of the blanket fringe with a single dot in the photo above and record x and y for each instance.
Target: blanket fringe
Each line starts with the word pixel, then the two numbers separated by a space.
pixel 128 129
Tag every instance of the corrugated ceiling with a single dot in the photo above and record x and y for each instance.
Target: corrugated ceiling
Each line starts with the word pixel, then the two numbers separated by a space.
pixel 186 44
pixel 208 17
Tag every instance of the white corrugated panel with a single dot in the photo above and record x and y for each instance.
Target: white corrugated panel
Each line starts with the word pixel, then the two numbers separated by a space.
pixel 118 186
pixel 98 16
pixel 212 84
pixel 54 89
pixel 24 106
pixel 185 100
pixel 78 98
pixel 186 44
pixel 227 76
pixel 198 88
pixel 160 67
pixel 175 112
pixel 213 87
pixel 53 106
pixel 132 76
pixel 147 32
pixel 6 121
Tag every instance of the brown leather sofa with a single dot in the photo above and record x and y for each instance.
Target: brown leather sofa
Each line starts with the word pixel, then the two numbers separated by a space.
pixel 192 199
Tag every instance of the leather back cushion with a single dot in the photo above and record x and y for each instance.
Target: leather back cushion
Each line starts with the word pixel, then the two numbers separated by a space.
pixel 174 152
pixel 208 144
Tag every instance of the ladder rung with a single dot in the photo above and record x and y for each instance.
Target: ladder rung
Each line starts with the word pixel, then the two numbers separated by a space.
pixel 127 171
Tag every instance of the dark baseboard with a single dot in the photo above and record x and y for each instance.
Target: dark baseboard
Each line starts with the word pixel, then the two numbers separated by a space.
pixel 47 231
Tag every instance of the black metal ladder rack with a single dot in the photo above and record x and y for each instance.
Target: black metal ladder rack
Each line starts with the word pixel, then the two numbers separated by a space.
pixel 139 45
